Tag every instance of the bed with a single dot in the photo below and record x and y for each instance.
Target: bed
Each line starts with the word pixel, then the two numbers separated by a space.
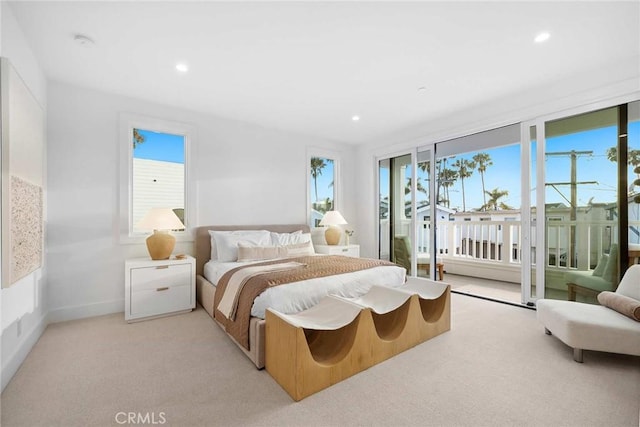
pixel 348 284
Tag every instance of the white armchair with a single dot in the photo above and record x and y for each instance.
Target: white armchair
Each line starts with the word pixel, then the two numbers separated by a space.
pixel 594 327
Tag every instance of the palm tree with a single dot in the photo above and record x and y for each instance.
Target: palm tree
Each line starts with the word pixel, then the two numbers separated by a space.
pixel 482 160
pixel 464 169
pixel 494 196
pixel 138 138
pixel 440 165
pixel 633 157
pixel 448 178
pixel 445 178
pixel 317 164
pixel 419 187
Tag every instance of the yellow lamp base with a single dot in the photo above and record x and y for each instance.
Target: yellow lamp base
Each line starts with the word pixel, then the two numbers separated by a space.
pixel 332 235
pixel 160 244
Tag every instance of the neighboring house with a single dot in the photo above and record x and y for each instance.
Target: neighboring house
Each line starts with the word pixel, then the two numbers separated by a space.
pixel 157 184
pixel 423 217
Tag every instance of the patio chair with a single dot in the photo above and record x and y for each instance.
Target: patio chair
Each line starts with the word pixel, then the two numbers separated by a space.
pixel 402 256
pixel 591 283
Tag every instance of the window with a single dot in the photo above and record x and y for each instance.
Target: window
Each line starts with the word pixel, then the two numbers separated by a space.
pixel 154 173
pixel 323 173
pixel 157 174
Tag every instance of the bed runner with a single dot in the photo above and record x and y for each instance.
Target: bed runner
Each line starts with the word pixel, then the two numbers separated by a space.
pixel 228 305
pixel 308 267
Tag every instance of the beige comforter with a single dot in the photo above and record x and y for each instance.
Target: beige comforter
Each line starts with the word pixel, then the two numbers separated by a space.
pixel 313 266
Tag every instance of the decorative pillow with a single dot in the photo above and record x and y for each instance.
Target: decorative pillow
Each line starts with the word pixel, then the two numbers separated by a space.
pixel 602 264
pixel 258 253
pixel 299 249
pixel 227 243
pixel 620 303
pixel 283 239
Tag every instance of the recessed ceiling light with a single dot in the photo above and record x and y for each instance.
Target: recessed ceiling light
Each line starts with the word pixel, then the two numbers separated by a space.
pixel 355 118
pixel 422 89
pixel 182 67
pixel 542 37
pixel 83 40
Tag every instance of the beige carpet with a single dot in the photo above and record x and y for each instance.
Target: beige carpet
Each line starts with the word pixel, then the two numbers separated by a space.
pixel 496 367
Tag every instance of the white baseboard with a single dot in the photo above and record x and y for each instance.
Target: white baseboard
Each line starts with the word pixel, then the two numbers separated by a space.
pixel 82 311
pixel 11 366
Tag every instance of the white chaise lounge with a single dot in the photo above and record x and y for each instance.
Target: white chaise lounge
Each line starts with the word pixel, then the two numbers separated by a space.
pixel 594 327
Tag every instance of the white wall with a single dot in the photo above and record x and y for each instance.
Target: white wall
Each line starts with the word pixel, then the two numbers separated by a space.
pixel 24 310
pixel 244 174
pixel 593 88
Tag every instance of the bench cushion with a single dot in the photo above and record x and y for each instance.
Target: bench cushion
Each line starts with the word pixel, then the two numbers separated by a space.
pixel 590 327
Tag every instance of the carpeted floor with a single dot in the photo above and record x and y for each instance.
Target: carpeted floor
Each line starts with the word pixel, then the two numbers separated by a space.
pixel 496 367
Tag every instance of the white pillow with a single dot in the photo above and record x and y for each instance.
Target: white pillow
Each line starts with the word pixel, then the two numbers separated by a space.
pixel 250 252
pixel 283 239
pixel 247 252
pixel 229 248
pixel 299 249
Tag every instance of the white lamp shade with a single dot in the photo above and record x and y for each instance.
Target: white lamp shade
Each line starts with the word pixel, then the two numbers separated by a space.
pixel 333 218
pixel 160 219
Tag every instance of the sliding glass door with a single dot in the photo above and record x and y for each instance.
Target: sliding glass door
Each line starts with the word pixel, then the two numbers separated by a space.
pixel 478 217
pixel 583 167
pixel 533 208
pixel 633 179
pixel 395 210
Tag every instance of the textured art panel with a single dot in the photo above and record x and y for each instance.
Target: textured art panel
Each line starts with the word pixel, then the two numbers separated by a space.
pixel 22 142
pixel 26 228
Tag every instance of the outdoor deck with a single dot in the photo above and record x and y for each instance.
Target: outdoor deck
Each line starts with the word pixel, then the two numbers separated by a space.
pixel 504 291
pixel 496 289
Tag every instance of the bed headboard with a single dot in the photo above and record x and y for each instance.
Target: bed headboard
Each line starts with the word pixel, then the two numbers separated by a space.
pixel 203 239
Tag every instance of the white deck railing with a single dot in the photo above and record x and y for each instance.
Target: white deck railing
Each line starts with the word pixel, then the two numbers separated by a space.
pixel 493 249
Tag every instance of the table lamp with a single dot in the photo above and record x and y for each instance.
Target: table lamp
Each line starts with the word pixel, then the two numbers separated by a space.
pixel 161 220
pixel 333 233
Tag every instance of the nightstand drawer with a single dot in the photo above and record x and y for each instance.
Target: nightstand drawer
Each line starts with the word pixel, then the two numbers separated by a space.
pixel 347 250
pixel 160 300
pixel 160 276
pixel 156 288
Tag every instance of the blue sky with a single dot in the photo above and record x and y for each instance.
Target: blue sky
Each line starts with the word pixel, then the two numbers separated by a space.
pixel 160 146
pixel 325 183
pixel 505 171
pixel 503 174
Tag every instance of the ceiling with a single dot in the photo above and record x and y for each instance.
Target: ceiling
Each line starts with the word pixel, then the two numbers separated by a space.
pixel 308 67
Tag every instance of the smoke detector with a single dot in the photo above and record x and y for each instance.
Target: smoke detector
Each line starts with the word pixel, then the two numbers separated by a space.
pixel 83 40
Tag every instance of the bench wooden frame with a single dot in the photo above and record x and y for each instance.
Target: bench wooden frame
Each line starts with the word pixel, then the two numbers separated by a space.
pixel 304 361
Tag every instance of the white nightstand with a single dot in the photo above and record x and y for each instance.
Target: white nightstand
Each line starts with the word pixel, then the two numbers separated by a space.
pixel 348 250
pixel 159 288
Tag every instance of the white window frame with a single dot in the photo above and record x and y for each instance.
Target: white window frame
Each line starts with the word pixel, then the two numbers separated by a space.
pixel 127 123
pixel 325 154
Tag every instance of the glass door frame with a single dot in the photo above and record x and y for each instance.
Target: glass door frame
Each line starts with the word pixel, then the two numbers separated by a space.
pixel 412 236
pixel 539 123
pixel 528 295
pixel 431 148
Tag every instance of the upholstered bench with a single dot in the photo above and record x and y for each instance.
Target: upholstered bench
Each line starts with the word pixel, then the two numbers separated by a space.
pixel 594 327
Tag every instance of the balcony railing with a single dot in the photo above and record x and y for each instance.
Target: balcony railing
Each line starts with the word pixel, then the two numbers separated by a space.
pixel 492 249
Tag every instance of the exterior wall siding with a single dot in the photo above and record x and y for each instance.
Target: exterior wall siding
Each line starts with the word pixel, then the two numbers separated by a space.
pixel 157 184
